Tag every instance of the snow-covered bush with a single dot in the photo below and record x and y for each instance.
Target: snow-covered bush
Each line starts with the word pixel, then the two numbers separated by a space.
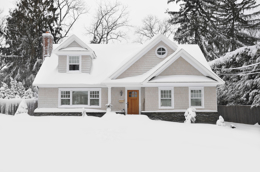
pixel 9 106
pixel 220 121
pixel 16 90
pixel 190 115
pixel 22 108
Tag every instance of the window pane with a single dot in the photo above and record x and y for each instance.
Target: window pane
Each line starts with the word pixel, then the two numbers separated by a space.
pixel 166 93
pixel 94 94
pixel 74 59
pixel 195 93
pixel 79 98
pixel 74 67
pixel 166 102
pixel 65 94
pixel 195 102
pixel 94 102
pixel 65 101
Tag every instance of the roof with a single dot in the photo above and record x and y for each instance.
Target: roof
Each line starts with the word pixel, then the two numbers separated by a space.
pixel 111 59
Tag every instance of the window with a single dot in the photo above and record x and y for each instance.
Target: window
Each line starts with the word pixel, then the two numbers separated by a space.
pixel 79 97
pixel 94 98
pixel 74 63
pixel 166 97
pixel 65 98
pixel 196 97
pixel 161 52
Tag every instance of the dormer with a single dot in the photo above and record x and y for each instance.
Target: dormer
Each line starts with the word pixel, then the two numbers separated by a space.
pixel 74 56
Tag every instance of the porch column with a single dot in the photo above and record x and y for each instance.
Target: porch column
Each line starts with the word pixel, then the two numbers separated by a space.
pixel 109 95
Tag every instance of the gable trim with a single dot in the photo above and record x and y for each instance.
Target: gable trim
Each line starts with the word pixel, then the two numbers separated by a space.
pixel 190 59
pixel 71 39
pixel 142 52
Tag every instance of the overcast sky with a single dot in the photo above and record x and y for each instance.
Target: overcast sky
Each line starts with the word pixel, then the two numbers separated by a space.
pixel 138 9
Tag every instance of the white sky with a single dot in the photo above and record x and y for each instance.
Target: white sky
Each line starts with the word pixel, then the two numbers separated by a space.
pixel 138 9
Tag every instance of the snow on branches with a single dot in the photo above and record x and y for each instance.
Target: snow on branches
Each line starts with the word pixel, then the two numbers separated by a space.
pixel 16 90
pixel 240 69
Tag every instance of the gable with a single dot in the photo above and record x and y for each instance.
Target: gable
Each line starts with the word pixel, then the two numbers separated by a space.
pixel 146 62
pixel 73 44
pixel 180 67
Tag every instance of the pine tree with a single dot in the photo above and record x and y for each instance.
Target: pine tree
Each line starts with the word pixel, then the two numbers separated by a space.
pixel 216 26
pixel 23 34
pixel 240 70
pixel 28 94
pixel 237 19
pixel 196 24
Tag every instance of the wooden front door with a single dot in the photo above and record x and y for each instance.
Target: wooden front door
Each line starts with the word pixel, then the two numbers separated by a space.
pixel 132 101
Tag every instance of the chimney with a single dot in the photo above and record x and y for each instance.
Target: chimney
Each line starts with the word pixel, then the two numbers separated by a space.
pixel 47 44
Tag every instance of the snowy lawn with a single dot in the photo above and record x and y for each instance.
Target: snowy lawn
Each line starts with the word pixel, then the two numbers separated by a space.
pixel 124 143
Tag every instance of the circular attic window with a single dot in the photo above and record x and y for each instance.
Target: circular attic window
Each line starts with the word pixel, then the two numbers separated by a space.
pixel 161 52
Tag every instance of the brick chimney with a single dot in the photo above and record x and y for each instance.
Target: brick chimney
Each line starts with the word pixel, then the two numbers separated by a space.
pixel 47 44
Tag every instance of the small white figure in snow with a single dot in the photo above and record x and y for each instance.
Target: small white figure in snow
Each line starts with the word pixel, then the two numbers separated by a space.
pixel 22 108
pixel 84 112
pixel 232 126
pixel 109 107
pixel 190 115
pixel 220 121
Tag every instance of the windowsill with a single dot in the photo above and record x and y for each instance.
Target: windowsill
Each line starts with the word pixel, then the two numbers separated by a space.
pixel 78 106
pixel 197 106
pixel 74 71
pixel 166 107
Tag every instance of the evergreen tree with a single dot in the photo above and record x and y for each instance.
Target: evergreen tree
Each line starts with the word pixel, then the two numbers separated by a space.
pixel 240 70
pixel 216 26
pixel 237 19
pixel 23 34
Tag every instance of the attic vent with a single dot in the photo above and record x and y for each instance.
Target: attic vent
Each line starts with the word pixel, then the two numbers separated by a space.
pixel 161 52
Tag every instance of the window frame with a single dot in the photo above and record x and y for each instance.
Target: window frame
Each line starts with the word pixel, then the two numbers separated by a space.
pixel 68 63
pixel 161 56
pixel 80 89
pixel 202 96
pixel 172 97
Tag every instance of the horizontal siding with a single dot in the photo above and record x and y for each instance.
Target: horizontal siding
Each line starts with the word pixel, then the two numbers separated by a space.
pixel 104 98
pixel 73 44
pixel 210 98
pixel 147 62
pixel 180 67
pixel 86 62
pixel 62 66
pixel 151 98
pixel 181 99
pixel 48 97
pixel 115 97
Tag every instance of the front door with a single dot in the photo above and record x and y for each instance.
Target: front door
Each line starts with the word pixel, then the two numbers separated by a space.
pixel 132 101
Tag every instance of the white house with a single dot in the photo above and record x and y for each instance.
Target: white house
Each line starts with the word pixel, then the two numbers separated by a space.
pixel 160 79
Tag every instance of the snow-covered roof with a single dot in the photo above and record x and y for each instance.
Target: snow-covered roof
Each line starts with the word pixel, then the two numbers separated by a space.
pixel 109 59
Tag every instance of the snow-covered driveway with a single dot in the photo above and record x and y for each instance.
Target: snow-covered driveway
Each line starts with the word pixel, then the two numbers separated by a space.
pixel 124 143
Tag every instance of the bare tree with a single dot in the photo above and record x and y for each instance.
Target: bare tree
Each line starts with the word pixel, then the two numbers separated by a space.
pixel 153 26
pixel 68 13
pixel 108 24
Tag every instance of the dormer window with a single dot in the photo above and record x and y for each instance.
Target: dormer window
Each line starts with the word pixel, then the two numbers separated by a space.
pixel 74 63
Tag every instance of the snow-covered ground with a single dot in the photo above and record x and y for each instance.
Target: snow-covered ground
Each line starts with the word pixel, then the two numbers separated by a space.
pixel 124 143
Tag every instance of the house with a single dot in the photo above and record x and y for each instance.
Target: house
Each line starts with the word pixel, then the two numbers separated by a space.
pixel 160 79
